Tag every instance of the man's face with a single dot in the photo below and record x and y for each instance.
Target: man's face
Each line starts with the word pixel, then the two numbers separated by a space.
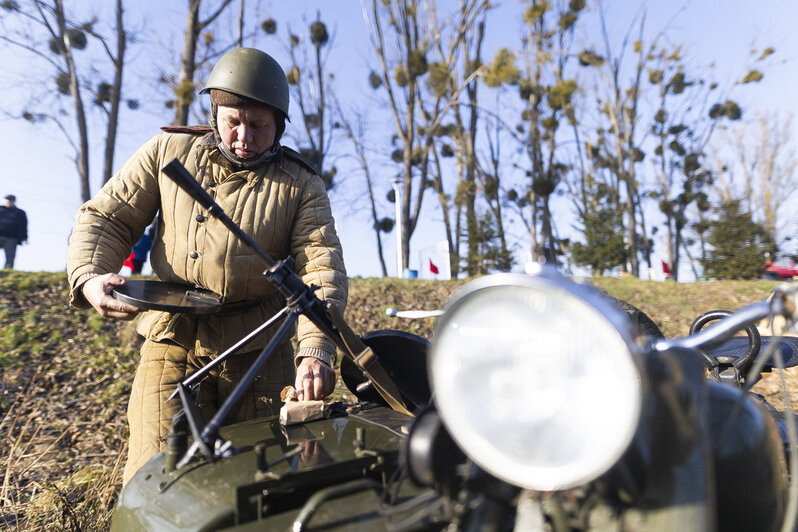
pixel 9 202
pixel 246 131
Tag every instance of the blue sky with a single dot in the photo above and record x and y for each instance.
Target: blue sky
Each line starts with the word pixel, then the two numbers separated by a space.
pixel 36 161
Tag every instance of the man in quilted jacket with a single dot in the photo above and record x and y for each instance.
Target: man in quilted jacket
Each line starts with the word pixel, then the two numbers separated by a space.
pixel 273 194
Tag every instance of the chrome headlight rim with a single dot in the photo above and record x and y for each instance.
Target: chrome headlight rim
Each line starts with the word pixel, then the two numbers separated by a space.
pixel 594 301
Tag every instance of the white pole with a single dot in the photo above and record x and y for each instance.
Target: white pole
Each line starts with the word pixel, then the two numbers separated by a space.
pixel 398 225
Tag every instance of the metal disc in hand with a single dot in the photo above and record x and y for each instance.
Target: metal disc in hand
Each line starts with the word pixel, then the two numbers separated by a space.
pixel 169 297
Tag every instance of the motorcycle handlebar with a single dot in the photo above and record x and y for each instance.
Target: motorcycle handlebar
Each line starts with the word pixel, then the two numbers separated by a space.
pixel 413 314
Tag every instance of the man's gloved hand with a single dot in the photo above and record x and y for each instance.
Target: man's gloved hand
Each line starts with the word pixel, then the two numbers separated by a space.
pixel 314 379
pixel 97 292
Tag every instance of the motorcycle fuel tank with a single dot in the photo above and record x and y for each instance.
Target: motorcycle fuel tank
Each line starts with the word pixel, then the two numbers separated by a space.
pixel 750 469
pixel 329 472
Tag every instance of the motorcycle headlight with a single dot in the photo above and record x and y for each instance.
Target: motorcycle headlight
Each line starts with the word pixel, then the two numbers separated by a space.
pixel 535 380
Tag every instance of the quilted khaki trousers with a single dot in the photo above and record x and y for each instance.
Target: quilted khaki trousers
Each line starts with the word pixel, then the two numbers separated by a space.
pixel 164 364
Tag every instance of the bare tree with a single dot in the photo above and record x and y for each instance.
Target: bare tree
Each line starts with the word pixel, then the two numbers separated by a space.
pixel 185 88
pixel 490 178
pixel 681 129
pixel 310 84
pixel 688 116
pixel 547 91
pixel 403 62
pixel 241 6
pixel 65 37
pixel 404 34
pixel 762 170
pixel 453 85
pixel 621 106
pixel 112 95
pixel 355 131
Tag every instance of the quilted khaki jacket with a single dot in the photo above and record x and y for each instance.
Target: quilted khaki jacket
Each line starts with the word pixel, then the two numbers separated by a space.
pixel 282 206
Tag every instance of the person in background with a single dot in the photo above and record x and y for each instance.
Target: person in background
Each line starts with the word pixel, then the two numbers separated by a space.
pixel 138 255
pixel 141 249
pixel 274 194
pixel 13 229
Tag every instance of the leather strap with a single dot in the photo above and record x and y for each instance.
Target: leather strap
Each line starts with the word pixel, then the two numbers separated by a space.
pixel 236 307
pixel 365 359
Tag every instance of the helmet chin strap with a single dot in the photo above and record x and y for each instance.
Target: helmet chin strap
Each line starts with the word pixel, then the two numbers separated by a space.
pixel 249 164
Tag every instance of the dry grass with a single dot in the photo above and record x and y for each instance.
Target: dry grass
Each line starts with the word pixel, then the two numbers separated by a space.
pixel 65 377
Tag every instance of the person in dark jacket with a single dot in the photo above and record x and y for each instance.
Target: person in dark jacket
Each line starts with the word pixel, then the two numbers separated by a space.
pixel 141 249
pixel 138 256
pixel 13 229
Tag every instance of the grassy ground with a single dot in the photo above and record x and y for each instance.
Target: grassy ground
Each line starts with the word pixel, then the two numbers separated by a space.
pixel 65 377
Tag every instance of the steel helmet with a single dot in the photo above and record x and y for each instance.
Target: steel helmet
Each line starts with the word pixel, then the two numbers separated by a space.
pixel 253 74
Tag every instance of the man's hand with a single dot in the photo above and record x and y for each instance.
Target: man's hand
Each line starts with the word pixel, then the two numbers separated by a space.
pixel 314 379
pixel 97 292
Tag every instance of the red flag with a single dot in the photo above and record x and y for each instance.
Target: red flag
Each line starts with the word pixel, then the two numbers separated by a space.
pixel 432 267
pixel 129 261
pixel 666 269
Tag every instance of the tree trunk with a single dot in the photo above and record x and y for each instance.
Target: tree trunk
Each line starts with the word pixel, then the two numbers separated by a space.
pixel 451 238
pixel 375 217
pixel 406 200
pixel 185 81
pixel 404 14
pixel 677 246
pixel 322 107
pixel 631 234
pixel 357 142
pixel 116 93
pixel 240 40
pixel 82 157
pixel 546 232
pixel 472 224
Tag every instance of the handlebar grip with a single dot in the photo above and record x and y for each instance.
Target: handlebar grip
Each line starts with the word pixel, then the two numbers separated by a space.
pixel 413 314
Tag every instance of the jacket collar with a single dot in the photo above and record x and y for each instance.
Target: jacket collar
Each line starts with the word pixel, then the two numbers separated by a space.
pixel 215 154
